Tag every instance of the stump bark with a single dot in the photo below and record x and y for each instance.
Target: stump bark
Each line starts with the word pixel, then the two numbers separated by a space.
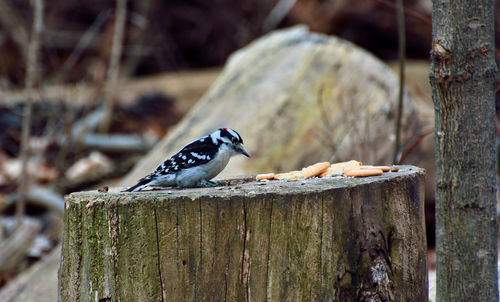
pixel 313 240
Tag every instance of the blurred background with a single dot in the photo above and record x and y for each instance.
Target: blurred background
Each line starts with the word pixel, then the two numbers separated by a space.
pixel 111 79
pixel 166 36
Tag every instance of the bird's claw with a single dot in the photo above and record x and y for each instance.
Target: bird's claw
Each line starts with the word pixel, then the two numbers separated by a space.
pixel 209 183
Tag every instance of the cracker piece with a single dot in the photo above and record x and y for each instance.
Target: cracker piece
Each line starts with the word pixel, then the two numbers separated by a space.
pixel 315 170
pixel 265 176
pixel 363 172
pixel 339 168
pixel 289 176
pixel 383 168
pixel 352 164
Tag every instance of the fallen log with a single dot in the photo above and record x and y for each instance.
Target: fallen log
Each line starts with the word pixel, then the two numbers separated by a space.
pixel 14 249
pixel 38 283
pixel 307 240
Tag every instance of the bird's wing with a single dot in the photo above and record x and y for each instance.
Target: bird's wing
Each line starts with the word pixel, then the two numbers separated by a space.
pixel 194 154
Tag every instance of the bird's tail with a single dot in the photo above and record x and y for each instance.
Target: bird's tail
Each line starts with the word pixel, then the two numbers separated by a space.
pixel 139 186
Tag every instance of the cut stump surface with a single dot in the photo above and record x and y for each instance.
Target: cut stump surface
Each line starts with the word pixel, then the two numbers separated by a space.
pixel 312 240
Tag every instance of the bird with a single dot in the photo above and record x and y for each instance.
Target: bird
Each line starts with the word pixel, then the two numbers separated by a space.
pixel 196 163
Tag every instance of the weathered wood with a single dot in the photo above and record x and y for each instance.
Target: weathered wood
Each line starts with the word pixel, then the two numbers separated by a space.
pixel 314 240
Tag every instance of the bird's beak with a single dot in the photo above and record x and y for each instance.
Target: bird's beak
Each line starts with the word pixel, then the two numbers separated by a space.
pixel 241 150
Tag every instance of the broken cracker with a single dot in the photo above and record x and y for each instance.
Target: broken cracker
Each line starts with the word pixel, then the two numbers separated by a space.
pixel 383 168
pixel 352 164
pixel 363 172
pixel 265 176
pixel 339 168
pixel 315 170
pixel 289 176
pixel 329 173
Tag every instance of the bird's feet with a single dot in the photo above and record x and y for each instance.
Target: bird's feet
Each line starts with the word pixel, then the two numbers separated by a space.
pixel 209 183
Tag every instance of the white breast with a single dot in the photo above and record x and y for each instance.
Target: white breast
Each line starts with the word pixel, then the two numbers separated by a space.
pixel 192 176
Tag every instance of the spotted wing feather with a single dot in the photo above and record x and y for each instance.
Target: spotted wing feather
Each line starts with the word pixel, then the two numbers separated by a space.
pixel 194 154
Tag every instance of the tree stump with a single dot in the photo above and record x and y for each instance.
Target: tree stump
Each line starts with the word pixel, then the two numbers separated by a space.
pixel 311 240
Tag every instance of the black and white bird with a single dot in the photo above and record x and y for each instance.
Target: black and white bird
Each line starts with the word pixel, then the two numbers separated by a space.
pixel 196 163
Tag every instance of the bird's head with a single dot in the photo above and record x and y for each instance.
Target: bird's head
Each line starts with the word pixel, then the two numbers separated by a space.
pixel 230 138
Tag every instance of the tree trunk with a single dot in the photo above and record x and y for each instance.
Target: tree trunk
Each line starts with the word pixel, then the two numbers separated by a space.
pixel 315 240
pixel 463 84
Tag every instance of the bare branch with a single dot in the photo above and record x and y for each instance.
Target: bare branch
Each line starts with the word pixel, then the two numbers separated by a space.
pixel 85 40
pixel 114 62
pixel 277 14
pixel 10 20
pixel 31 75
pixel 409 12
pixel 41 196
pixel 402 58
pixel 412 145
